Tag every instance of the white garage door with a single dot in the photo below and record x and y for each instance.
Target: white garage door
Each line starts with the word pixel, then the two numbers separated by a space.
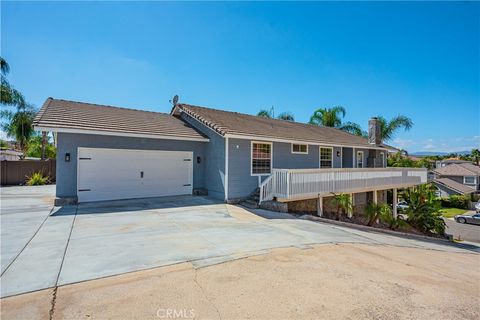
pixel 109 174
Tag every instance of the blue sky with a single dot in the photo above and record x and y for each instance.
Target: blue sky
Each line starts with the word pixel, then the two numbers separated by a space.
pixel 417 59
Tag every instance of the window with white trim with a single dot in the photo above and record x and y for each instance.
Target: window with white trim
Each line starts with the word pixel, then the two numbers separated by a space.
pixel 326 157
pixel 359 159
pixel 261 158
pixel 470 180
pixel 300 148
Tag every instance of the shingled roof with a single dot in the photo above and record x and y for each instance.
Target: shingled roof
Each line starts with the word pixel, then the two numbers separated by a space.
pixel 459 169
pixel 454 185
pixel 234 123
pixel 70 116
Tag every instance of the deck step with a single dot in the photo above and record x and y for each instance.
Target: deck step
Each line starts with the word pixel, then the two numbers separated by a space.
pixel 249 204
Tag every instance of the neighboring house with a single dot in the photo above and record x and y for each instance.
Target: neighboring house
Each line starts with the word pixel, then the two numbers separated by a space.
pixel 445 162
pixel 108 153
pixel 457 178
pixel 10 155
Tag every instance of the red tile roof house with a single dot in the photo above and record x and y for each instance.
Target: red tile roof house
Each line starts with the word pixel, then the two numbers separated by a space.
pixel 106 153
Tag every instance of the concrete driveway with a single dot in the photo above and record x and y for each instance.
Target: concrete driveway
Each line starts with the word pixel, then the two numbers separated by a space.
pixel 45 247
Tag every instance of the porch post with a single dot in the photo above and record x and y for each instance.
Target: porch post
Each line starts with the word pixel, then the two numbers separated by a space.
pixel 350 210
pixel 395 203
pixel 375 196
pixel 320 206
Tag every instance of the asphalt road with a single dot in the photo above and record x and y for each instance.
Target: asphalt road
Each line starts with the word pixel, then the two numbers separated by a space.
pixel 468 232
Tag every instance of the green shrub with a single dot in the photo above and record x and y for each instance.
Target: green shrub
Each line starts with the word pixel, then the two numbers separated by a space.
pixel 37 179
pixel 424 210
pixel 456 201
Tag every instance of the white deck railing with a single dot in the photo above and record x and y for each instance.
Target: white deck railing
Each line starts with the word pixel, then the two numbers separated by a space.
pixel 292 184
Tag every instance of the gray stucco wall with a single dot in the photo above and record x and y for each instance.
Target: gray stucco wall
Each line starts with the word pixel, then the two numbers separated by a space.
pixel 66 184
pixel 214 159
pixel 242 183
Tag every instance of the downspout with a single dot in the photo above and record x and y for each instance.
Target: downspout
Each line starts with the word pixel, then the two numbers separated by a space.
pixel 226 169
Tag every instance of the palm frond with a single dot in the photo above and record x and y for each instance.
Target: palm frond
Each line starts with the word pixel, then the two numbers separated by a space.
pixel 4 67
pixel 287 116
pixel 353 128
pixel 390 128
pixel 264 114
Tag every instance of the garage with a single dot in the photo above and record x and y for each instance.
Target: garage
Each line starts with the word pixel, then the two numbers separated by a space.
pixel 110 174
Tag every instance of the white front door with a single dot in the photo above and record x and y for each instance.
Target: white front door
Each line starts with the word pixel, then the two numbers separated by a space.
pixel 109 174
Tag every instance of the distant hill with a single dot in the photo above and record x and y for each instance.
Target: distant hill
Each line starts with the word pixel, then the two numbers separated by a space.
pixel 434 153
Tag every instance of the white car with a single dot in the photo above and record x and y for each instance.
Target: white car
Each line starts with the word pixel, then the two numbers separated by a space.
pixel 477 207
pixel 402 205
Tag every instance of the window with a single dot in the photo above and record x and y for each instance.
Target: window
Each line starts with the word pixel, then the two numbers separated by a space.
pixel 300 148
pixel 470 180
pixel 326 157
pixel 359 159
pixel 261 158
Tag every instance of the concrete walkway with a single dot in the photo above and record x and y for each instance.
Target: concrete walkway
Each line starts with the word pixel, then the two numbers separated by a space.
pixel 91 241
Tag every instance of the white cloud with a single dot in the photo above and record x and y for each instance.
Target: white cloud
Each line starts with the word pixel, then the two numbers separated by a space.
pixel 450 144
pixel 428 147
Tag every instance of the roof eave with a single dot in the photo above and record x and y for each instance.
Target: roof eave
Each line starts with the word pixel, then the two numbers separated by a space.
pixel 39 127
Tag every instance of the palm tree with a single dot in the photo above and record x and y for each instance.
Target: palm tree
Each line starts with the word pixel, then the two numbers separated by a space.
pixel 287 116
pixel 375 210
pixel 8 96
pixel 353 128
pixel 343 203
pixel 475 154
pixel 328 117
pixel 264 113
pixel 388 129
pixel 19 124
pixel 332 117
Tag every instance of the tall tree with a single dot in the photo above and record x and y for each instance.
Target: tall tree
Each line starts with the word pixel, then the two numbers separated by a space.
pixel 332 117
pixel 19 124
pixel 287 116
pixel 269 113
pixel 264 113
pixel 9 96
pixel 328 117
pixel 475 154
pixel 16 124
pixel 388 129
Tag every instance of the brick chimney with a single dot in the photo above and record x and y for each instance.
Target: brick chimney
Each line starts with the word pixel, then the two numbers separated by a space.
pixel 374 131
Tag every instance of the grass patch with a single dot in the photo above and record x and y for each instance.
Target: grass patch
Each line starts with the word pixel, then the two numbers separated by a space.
pixel 451 212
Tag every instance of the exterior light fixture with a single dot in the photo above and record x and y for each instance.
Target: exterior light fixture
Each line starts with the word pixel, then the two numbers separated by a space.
pixel 67 157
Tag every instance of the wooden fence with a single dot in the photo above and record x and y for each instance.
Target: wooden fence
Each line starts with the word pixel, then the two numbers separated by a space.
pixel 16 172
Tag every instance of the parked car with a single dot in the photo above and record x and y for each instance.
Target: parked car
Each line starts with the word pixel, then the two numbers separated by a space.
pixel 468 218
pixel 402 205
pixel 477 207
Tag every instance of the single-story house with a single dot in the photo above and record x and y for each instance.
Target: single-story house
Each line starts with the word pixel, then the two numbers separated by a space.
pixel 106 152
pixel 457 178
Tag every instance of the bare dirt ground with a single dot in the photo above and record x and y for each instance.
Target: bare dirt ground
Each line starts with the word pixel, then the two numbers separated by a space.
pixel 345 281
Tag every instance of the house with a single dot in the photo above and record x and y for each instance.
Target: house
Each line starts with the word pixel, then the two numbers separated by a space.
pixel 457 178
pixel 10 155
pixel 106 152
pixel 446 162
